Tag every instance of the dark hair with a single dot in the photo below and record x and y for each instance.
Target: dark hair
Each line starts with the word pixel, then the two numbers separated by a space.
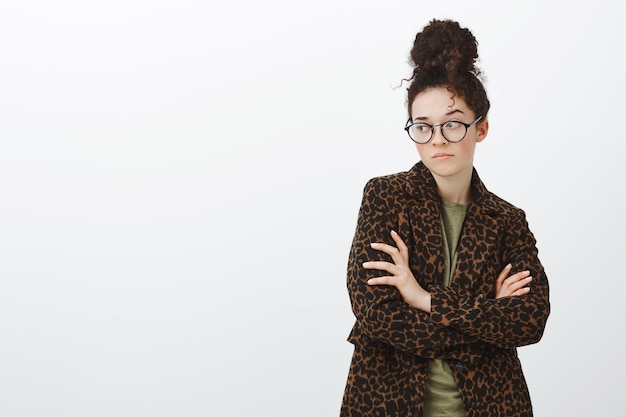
pixel 444 55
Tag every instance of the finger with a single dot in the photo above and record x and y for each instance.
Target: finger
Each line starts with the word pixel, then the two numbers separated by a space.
pixel 514 283
pixel 382 281
pixel 389 250
pixel 521 291
pixel 382 266
pixel 404 250
pixel 515 277
pixel 503 274
pixel 518 276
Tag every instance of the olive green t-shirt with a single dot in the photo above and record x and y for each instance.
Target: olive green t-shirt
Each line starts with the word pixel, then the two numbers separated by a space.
pixel 442 394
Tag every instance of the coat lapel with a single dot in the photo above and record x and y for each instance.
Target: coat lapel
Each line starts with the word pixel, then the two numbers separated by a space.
pixel 423 212
pixel 477 243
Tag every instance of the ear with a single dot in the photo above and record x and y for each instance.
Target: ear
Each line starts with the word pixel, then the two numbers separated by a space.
pixel 482 128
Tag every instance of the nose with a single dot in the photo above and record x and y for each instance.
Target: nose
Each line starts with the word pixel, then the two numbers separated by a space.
pixel 438 138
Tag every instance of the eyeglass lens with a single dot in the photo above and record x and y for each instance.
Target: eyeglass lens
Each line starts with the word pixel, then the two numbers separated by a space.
pixel 452 131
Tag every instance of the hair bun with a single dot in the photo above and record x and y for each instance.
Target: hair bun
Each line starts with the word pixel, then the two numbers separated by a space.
pixel 445 45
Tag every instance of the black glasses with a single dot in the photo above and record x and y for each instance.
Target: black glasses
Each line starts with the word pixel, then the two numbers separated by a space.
pixel 452 130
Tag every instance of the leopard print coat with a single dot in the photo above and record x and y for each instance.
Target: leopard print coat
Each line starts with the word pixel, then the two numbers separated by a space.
pixel 476 333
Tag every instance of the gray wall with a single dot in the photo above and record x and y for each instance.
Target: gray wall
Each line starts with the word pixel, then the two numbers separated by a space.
pixel 179 184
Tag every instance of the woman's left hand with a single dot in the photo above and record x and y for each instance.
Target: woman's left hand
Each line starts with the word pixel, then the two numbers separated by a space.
pixel 400 276
pixel 514 285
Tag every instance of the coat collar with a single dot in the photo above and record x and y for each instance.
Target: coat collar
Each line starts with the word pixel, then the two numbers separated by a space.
pixel 421 184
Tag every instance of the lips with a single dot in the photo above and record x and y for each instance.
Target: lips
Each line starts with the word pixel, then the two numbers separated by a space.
pixel 441 155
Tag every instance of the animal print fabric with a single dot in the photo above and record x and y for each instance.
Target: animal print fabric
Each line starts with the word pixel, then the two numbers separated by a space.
pixel 474 332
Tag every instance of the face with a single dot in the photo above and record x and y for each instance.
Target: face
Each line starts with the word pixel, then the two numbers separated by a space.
pixel 447 160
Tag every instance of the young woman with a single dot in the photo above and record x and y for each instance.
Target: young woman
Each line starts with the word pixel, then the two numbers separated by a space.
pixel 443 276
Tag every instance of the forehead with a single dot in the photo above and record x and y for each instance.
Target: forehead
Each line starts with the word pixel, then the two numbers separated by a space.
pixel 437 103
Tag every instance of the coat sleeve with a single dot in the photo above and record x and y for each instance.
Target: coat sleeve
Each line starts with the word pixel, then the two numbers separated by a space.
pixel 380 310
pixel 505 322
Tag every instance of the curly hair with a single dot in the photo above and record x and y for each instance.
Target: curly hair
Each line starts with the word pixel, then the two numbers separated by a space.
pixel 444 55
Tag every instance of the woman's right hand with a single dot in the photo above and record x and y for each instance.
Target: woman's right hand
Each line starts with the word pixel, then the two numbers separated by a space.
pixel 516 284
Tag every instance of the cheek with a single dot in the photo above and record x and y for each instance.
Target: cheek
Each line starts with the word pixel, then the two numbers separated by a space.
pixel 420 149
pixel 467 148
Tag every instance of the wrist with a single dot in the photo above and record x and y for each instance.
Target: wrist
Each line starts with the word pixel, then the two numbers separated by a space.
pixel 422 301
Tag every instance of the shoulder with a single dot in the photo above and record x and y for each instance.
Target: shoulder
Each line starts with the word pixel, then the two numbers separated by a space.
pixel 492 203
pixel 390 189
pixel 386 183
pixel 401 183
pixel 385 192
pixel 502 208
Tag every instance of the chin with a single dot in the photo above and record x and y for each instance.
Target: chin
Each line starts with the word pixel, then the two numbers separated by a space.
pixel 447 171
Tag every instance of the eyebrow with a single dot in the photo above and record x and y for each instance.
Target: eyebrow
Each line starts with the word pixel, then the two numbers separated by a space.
pixel 447 114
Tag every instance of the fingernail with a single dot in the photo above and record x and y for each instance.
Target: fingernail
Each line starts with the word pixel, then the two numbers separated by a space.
pixel 508 266
pixel 366 264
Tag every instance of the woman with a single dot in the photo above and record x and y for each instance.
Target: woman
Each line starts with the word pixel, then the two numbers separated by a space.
pixel 444 277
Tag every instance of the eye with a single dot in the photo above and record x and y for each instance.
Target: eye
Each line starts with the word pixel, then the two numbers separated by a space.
pixel 421 128
pixel 452 125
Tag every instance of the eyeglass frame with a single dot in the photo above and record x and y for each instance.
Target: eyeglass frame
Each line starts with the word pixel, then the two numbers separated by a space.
pixel 432 129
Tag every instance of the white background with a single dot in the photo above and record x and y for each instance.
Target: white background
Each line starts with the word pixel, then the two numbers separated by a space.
pixel 179 185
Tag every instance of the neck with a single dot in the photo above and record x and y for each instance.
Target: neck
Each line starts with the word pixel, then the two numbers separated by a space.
pixel 456 189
